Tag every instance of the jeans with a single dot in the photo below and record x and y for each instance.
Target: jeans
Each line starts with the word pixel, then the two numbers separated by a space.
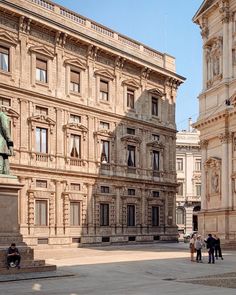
pixel 211 255
pixel 199 255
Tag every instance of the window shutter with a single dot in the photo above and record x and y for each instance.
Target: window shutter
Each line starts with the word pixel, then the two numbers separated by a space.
pixel 103 86
pixel 75 77
pixel 4 50
pixel 41 64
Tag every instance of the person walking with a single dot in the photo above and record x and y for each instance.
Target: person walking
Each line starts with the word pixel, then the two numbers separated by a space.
pixel 192 247
pixel 210 243
pixel 218 252
pixel 198 247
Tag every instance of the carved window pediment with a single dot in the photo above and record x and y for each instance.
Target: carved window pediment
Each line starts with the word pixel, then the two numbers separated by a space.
pixel 105 132
pixel 105 73
pixel 42 119
pixel 131 83
pixel 6 37
pixel 12 114
pixel 76 127
pixel 42 50
pixel 156 92
pixel 131 138
pixel 75 62
pixel 156 144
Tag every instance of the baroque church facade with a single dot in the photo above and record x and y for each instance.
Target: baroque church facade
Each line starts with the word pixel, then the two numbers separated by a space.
pixel 217 119
pixel 93 123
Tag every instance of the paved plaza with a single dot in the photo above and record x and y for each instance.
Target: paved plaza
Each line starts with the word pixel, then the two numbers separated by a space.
pixel 134 269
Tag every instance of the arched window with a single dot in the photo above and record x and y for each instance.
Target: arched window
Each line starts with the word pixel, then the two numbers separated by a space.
pixel 180 216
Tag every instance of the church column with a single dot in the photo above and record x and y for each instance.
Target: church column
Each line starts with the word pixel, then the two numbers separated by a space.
pixel 225 16
pixel 118 224
pixel 203 144
pixel 90 208
pixel 230 170
pixel 225 175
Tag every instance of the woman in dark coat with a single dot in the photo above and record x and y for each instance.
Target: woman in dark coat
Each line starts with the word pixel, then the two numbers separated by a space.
pixel 218 252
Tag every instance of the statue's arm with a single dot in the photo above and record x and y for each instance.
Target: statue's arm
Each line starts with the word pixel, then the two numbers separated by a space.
pixel 6 130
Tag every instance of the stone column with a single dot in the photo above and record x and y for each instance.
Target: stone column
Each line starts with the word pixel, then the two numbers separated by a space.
pixel 144 210
pixel 118 217
pixel 224 10
pixel 58 208
pixel 230 171
pixel 90 208
pixel 225 171
pixel 203 144
pixel 23 212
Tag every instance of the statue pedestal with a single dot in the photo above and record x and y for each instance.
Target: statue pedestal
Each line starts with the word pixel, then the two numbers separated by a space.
pixel 10 230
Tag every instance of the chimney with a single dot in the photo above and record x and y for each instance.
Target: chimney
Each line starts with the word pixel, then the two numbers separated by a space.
pixel 190 122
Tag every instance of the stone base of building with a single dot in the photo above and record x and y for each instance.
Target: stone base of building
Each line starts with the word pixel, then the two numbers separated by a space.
pixel 99 240
pixel 10 230
pixel 220 222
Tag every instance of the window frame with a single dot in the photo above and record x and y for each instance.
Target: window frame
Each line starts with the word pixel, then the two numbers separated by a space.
pixel 130 98
pixel 38 215
pixel 131 220
pixel 101 92
pixel 75 71
pixel 129 157
pixel 155 111
pixel 78 218
pixel 36 141
pixel 8 49
pixel 40 70
pixel 104 214
pixel 156 219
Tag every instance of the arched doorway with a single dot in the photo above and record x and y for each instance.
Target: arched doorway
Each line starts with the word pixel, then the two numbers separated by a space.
pixel 196 209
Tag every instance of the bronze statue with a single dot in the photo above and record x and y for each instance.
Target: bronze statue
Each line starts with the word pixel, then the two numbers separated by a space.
pixel 6 144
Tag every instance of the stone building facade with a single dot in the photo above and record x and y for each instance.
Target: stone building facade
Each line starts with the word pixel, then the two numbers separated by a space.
pixel 93 123
pixel 217 119
pixel 188 167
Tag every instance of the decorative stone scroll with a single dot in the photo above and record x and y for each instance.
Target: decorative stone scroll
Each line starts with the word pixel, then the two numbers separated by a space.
pixel 213 179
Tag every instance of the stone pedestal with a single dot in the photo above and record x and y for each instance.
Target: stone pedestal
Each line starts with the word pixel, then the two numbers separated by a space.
pixel 10 229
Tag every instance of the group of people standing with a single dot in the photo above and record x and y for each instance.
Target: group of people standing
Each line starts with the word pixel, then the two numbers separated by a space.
pixel 212 243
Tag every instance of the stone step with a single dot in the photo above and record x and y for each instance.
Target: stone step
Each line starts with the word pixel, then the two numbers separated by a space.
pixel 26 263
pixel 10 271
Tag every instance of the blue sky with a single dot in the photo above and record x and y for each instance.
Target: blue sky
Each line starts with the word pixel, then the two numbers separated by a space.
pixel 165 25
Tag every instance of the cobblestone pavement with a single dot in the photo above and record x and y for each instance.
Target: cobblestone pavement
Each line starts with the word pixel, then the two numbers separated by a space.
pixel 134 269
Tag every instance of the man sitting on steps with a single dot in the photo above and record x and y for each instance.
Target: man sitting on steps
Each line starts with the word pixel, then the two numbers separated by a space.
pixel 13 257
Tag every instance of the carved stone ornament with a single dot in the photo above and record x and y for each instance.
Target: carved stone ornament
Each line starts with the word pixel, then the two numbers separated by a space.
pixel 225 137
pixel 131 83
pixel 12 114
pixel 42 50
pixel 105 73
pixel 104 132
pixel 24 24
pixel 76 62
pixel 60 38
pixel 204 28
pixel 45 120
pixel 145 73
pixel 156 92
pixel 203 143
pixel 76 127
pixel 131 138
pixel 213 176
pixel 7 38
pixel 119 62
pixel 224 10
pixel 156 144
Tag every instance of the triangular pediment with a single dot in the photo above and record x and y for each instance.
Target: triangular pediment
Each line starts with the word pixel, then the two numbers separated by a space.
pixel 11 113
pixel 42 50
pixel 76 127
pixel 42 119
pixel 105 73
pixel 204 6
pixel 131 83
pixel 76 63
pixel 6 37
pixel 156 92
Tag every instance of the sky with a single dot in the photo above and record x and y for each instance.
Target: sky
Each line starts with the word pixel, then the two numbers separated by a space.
pixel 165 25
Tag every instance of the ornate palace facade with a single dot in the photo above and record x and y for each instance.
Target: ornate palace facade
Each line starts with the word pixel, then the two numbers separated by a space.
pixel 217 119
pixel 93 123
pixel 188 167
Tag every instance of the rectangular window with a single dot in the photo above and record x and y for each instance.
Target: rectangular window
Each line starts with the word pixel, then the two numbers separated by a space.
pixel 75 144
pixel 74 213
pixel 104 90
pixel 75 119
pixel 198 189
pixel 155 215
pixel 155 137
pixel 104 214
pixel 131 131
pixel 154 106
pixel 131 156
pixel 180 189
pixel 105 151
pixel 41 140
pixel 179 164
pixel 5 101
pixel 104 125
pixel 105 189
pixel 130 98
pixel 74 81
pixel 41 183
pixel 41 70
pixel 75 186
pixel 41 111
pixel 4 59
pixel 130 215
pixel 156 160
pixel 41 212
pixel 198 165
pixel 131 192
pixel 156 194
